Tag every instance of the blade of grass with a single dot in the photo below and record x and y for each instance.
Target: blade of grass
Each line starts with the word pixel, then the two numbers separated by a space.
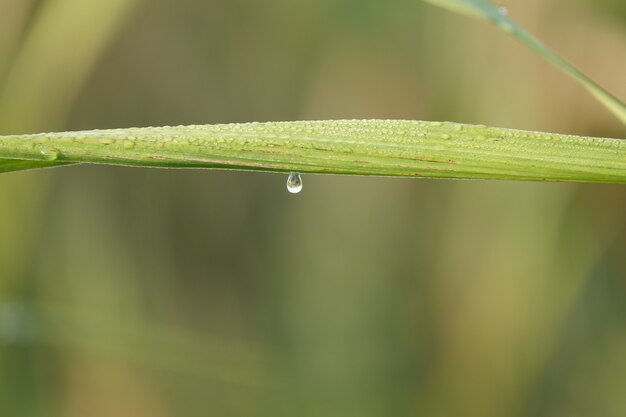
pixel 485 10
pixel 476 8
pixel 11 165
pixel 354 147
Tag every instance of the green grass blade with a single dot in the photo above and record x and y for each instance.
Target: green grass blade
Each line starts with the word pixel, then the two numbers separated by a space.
pixel 11 165
pixel 354 147
pixel 476 8
pixel 485 10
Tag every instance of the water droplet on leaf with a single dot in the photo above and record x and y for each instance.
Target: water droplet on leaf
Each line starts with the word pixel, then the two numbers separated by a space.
pixel 49 154
pixel 294 183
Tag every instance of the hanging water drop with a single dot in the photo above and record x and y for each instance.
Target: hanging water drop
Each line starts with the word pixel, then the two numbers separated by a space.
pixel 294 183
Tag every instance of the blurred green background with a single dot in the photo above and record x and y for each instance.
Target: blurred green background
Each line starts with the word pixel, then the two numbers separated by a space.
pixel 145 292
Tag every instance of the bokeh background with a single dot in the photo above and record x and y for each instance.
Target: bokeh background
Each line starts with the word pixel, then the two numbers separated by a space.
pixel 146 292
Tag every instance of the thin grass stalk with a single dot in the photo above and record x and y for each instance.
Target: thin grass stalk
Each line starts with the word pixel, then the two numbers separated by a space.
pixel 352 147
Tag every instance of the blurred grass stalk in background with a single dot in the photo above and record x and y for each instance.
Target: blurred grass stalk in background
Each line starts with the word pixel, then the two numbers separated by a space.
pixel 47 51
pixel 498 15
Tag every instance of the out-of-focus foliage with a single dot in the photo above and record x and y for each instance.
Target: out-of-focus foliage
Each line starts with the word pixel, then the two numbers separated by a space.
pixel 128 292
pixel 613 7
pixel 499 16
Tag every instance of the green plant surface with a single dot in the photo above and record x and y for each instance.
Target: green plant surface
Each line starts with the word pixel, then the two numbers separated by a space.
pixel 352 147
pixel 483 9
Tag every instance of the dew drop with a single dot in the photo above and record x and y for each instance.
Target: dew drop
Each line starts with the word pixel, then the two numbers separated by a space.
pixel 294 183
pixel 49 154
pixel 503 10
